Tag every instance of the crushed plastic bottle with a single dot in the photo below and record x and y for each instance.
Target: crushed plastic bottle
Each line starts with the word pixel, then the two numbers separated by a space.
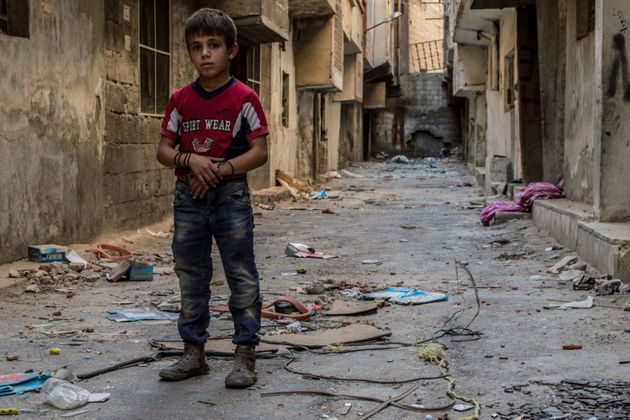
pixel 62 394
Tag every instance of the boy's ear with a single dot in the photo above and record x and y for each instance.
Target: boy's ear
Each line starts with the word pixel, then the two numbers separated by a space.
pixel 232 51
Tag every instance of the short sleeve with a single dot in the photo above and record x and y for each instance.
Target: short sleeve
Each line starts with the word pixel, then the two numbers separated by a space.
pixel 171 121
pixel 253 113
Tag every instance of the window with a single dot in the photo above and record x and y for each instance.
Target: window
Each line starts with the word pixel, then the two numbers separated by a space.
pixel 508 81
pixel 253 68
pixel 155 56
pixel 585 18
pixel 285 99
pixel 14 18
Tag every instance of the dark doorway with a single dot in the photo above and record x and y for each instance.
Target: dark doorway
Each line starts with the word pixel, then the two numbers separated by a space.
pixel 529 95
pixel 367 127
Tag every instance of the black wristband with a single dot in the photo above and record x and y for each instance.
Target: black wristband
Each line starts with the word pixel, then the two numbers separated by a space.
pixel 176 158
pixel 231 166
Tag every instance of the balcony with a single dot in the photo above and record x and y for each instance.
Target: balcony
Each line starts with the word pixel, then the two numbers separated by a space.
pixel 311 8
pixel 258 22
pixel 319 59
pixel 352 79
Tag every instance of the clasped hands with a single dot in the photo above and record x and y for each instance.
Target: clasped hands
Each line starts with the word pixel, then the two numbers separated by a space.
pixel 206 173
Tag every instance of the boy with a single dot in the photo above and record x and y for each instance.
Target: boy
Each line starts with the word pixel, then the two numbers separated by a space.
pixel 214 131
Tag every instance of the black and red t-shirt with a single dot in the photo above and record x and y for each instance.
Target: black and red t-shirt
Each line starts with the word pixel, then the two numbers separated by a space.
pixel 220 123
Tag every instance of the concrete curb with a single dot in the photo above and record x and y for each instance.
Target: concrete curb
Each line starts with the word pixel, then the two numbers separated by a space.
pixel 271 195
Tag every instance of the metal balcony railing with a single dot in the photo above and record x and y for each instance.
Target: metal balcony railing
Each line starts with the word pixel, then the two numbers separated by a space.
pixel 427 56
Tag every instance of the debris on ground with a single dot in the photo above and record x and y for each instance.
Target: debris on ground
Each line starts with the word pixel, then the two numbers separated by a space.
pixel 305 251
pixel 313 339
pixel 134 315
pixel 160 234
pixel 583 399
pixel 406 296
pixel 64 395
pixel 318 195
pixel 297 188
pixel 266 206
pixel 604 287
pixel 47 253
pixel 110 252
pixel 580 304
pixel 400 159
pixel 524 200
pixel 571 346
pixel 18 383
pixel 300 312
pixel 349 174
pixel 557 267
pixel 344 308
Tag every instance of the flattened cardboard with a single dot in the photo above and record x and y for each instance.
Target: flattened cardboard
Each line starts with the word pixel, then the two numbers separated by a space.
pixel 353 333
pixel 343 308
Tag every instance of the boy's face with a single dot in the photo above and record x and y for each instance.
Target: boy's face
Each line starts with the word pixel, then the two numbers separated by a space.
pixel 210 55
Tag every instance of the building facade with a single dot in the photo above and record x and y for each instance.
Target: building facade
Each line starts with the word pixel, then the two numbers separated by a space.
pixel 546 92
pixel 85 84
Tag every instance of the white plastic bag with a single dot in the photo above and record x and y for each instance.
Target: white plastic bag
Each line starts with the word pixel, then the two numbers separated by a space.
pixel 62 394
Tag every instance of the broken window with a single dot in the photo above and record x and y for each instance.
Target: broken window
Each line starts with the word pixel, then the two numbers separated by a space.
pixel 253 68
pixel 508 81
pixel 14 18
pixel 155 56
pixel 285 99
pixel 585 18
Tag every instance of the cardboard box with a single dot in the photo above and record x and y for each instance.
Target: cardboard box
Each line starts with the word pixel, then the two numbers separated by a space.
pixel 47 253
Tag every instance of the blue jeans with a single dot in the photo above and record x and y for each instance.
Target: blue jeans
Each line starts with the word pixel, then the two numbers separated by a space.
pixel 225 213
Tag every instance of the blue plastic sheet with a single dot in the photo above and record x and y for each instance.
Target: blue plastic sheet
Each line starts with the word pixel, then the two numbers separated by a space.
pixel 17 383
pixel 132 315
pixel 406 296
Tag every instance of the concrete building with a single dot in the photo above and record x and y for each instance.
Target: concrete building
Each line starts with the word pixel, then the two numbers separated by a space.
pixel 85 85
pixel 409 109
pixel 546 90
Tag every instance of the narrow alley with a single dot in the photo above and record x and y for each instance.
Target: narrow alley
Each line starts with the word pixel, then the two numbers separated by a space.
pixel 420 223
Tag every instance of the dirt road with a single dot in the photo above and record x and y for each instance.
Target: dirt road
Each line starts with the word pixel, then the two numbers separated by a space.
pixel 419 221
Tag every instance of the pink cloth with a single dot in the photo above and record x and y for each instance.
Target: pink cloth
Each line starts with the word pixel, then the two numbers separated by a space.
pixel 524 200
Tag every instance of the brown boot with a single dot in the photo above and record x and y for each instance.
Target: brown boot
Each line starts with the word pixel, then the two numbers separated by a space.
pixel 192 363
pixel 244 372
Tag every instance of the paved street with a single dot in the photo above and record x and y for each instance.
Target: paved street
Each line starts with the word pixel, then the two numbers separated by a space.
pixel 511 364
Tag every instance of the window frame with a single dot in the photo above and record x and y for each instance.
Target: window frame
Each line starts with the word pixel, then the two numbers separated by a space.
pixel 285 98
pixel 155 52
pixel 252 82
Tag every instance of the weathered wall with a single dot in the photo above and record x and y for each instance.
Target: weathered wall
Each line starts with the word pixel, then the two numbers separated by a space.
pixel 383 131
pixel 332 137
pixel 51 127
pixel 283 142
pixel 376 51
pixel 580 99
pixel 351 140
pixel 137 188
pixel 612 189
pixel 552 66
pixel 305 127
pixel 427 110
pixel 502 133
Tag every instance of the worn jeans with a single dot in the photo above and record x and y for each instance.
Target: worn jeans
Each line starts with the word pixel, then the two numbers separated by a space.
pixel 225 213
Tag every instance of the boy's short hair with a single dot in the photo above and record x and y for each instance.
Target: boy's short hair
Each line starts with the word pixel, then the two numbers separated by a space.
pixel 209 21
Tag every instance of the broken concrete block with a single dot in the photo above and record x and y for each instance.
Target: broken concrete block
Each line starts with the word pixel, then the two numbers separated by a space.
pixel 569 259
pixel 570 275
pixel 14 274
pixel 33 288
